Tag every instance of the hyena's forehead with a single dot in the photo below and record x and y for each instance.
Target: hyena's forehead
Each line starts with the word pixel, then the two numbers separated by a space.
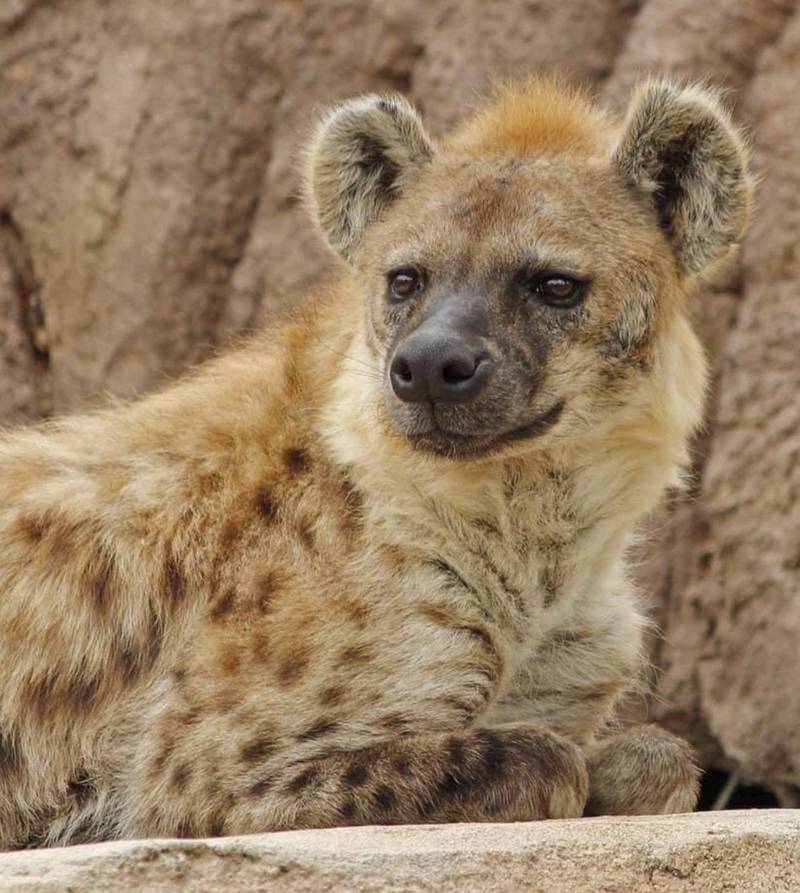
pixel 465 217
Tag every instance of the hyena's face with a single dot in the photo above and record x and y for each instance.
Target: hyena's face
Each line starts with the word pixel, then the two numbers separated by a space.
pixel 503 305
pixel 515 279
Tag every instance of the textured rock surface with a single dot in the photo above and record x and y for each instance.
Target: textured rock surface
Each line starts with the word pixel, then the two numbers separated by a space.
pixel 736 852
pixel 148 212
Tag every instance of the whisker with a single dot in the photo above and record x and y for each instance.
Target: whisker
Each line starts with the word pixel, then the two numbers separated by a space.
pixel 357 360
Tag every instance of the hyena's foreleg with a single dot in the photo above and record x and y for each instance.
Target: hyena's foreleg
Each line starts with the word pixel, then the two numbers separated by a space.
pixel 507 773
pixel 502 774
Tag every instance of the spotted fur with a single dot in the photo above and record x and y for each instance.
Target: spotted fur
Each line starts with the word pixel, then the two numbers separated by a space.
pixel 249 603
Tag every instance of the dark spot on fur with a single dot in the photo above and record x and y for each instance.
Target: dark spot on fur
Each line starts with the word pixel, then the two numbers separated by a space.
pixel 488 526
pixel 385 797
pixel 260 787
pixel 128 664
pixel 394 557
pixel 331 696
pixel 82 693
pixel 348 809
pixel 357 612
pixel 483 636
pixel 174 583
pixel 455 751
pixel 9 754
pixel 493 755
pixel 451 574
pixel 152 647
pixel 184 829
pixel 180 777
pixel 402 766
pixel 31 530
pixel 320 728
pixel 187 717
pixel 302 781
pixel 230 658
pixel 262 650
pixel 258 749
pixel 216 827
pixel 549 584
pixel 355 654
pixel 297 460
pixel 356 775
pixel 305 530
pixel 395 722
pixel 179 676
pixel 351 494
pixel 265 505
pixel 40 694
pixel 514 591
pixel 158 764
pixel 224 605
pixel 450 784
pixel 100 581
pixel 230 534
pixel 292 668
pixel 428 806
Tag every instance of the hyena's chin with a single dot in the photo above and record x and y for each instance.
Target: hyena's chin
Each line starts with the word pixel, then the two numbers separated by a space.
pixel 434 436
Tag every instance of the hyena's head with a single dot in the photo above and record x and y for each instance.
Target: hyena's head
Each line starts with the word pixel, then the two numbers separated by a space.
pixel 519 275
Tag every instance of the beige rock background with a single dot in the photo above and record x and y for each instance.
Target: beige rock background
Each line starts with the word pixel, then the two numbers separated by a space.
pixel 756 851
pixel 149 212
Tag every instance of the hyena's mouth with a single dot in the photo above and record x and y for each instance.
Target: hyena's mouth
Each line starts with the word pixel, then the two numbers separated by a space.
pixel 463 445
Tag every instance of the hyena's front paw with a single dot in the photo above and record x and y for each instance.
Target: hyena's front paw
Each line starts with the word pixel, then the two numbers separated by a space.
pixel 643 771
pixel 518 773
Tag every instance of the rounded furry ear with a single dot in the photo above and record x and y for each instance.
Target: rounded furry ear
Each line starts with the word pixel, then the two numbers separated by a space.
pixel 680 144
pixel 360 159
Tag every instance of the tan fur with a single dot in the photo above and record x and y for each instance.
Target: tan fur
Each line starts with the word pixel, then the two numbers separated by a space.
pixel 643 771
pixel 247 603
pixel 539 117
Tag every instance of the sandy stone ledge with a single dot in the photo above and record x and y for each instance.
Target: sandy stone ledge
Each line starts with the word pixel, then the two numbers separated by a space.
pixel 747 851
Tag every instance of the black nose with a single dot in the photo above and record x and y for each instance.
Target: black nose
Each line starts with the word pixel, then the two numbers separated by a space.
pixel 439 367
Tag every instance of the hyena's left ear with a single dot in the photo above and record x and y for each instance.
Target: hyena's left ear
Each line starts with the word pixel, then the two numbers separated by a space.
pixel 363 155
pixel 680 144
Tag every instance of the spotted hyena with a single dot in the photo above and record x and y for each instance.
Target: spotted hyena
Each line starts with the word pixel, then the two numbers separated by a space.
pixel 370 567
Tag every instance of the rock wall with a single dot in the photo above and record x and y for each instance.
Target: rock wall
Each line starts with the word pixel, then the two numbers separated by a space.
pixel 149 212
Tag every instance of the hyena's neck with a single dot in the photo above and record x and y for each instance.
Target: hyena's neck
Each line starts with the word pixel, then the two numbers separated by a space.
pixel 584 501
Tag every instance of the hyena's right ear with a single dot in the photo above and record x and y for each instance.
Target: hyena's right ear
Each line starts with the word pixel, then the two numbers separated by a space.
pixel 362 156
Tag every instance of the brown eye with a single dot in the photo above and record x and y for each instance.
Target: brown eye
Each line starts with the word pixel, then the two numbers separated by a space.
pixel 558 290
pixel 404 283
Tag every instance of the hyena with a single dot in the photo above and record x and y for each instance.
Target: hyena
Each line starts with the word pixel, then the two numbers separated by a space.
pixel 369 567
